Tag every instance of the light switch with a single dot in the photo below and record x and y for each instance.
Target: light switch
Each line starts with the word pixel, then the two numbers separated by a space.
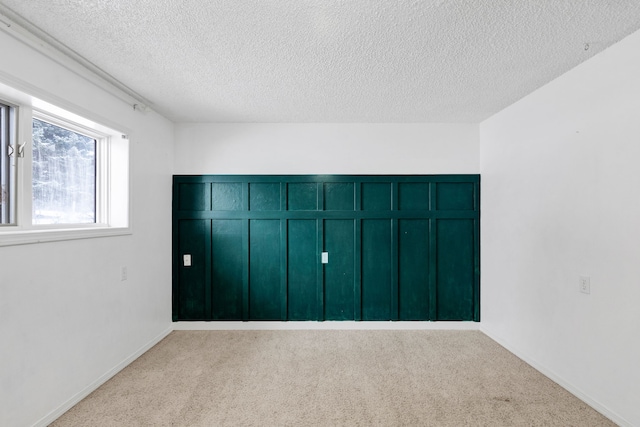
pixel 186 260
pixel 325 257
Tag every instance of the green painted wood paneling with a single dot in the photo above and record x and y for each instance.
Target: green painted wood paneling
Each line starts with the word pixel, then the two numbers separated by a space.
pixel 226 196
pixel 339 196
pixel 455 269
pixel 264 270
pixel 302 253
pixel 413 196
pixel 413 260
pixel 194 197
pixel 376 196
pixel 264 196
pixel 192 280
pixel 400 247
pixel 302 196
pixel 339 273
pixel 226 271
pixel 455 196
pixel 376 269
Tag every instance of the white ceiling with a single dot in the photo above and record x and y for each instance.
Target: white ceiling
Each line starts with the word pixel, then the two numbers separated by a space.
pixel 331 60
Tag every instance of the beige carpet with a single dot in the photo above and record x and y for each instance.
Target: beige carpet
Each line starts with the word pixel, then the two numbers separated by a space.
pixel 330 378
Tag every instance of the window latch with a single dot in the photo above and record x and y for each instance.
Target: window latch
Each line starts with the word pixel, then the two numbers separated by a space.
pixel 21 149
pixel 11 151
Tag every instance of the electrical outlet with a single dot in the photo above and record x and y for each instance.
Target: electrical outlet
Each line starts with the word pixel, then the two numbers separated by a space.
pixel 585 284
pixel 123 275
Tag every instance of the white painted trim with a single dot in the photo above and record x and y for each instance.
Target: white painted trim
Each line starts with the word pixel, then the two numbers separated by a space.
pixel 331 325
pixel 24 237
pixel 32 36
pixel 328 325
pixel 56 413
pixel 22 92
pixel 577 392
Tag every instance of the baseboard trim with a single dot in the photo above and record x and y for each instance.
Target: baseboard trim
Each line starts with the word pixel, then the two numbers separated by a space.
pixel 576 391
pixel 328 325
pixel 56 413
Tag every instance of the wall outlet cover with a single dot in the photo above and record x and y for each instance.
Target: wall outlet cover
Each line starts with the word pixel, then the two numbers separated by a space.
pixel 585 284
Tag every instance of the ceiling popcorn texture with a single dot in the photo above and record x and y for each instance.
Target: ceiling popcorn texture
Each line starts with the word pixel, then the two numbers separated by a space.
pixel 332 60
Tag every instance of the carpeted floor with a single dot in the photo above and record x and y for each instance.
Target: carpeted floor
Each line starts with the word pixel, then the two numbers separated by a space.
pixel 330 378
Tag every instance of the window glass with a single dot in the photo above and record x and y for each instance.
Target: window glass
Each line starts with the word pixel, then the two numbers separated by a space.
pixel 64 175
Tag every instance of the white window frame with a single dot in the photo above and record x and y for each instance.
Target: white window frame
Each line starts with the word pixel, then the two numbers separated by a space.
pixel 113 217
pixel 11 145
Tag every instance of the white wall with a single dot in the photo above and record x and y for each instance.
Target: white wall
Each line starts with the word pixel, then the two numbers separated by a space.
pixel 66 319
pixel 326 148
pixel 561 198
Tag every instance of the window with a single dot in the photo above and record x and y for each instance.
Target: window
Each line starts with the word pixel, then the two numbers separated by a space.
pixel 7 163
pixel 67 178
pixel 64 175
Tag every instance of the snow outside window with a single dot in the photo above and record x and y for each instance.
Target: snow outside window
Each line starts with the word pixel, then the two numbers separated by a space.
pixel 63 176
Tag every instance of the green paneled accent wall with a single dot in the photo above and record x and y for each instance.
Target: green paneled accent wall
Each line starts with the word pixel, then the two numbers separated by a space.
pixel 398 247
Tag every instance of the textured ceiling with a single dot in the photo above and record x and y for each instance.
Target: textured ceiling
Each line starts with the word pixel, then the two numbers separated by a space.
pixel 332 60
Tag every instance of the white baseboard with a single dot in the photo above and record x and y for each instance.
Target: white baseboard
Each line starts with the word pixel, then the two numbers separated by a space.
pixel 577 392
pixel 328 325
pixel 56 413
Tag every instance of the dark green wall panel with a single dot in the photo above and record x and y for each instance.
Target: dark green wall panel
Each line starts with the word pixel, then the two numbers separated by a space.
pixel 455 196
pixel 339 196
pixel 376 196
pixel 226 272
pixel 413 274
pixel 413 196
pixel 339 273
pixel 264 270
pixel 194 197
pixel 455 269
pixel 226 196
pixel 302 254
pixel 192 286
pixel 376 269
pixel 264 196
pixel 302 196
pixel 400 247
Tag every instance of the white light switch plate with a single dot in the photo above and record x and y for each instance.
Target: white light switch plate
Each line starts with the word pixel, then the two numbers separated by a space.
pixel 186 260
pixel 325 257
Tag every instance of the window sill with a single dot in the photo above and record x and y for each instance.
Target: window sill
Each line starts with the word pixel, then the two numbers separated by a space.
pixel 26 237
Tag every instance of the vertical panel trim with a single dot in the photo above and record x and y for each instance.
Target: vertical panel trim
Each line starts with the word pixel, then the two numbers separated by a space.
pixel 357 205
pixel 321 247
pixel 283 196
pixel 432 196
pixel 320 270
pixel 320 195
pixel 433 263
pixel 245 196
pixel 208 269
pixel 284 270
pixel 395 199
pixel 476 271
pixel 245 270
pixel 357 266
pixel 477 255
pixel 395 289
pixel 284 255
pixel 176 265
pixel 208 198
